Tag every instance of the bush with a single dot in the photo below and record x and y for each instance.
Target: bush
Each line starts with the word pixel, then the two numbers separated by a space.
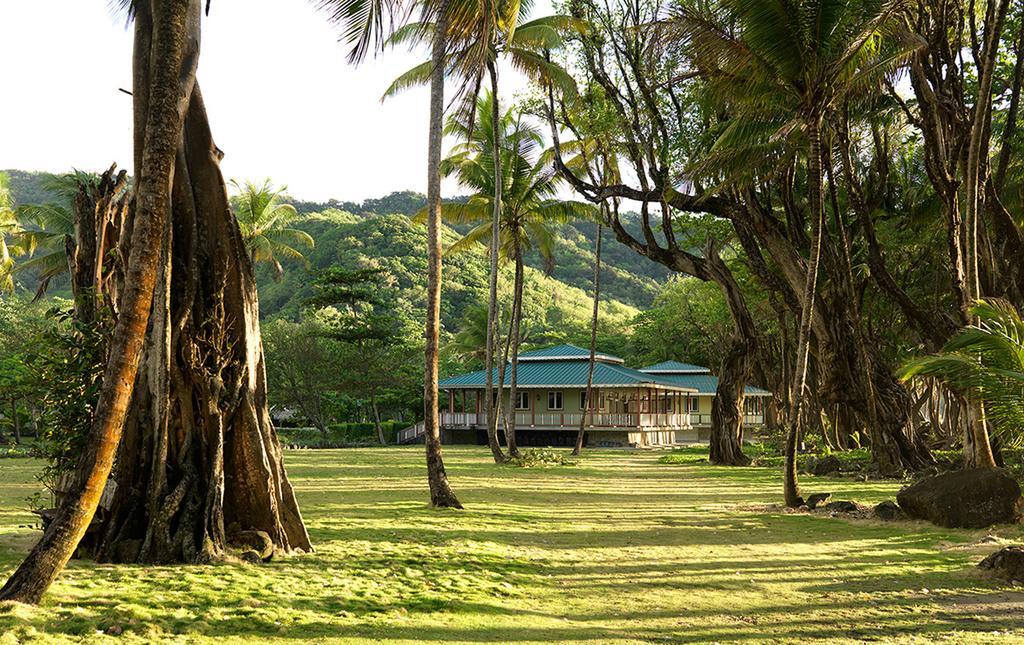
pixel 541 457
pixel 340 435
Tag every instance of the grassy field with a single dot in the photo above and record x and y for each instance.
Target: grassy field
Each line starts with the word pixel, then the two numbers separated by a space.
pixel 620 548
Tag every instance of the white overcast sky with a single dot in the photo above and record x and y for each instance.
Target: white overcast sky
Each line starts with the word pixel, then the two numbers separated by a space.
pixel 283 101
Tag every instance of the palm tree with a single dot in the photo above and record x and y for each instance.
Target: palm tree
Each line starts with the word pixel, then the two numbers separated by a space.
pixel 529 206
pixel 363 24
pixel 786 64
pixel 8 229
pixel 984 362
pixel 480 37
pixel 264 219
pixel 49 228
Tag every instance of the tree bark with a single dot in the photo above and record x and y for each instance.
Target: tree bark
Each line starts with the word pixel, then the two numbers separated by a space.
pixel 199 453
pixel 492 303
pixel 726 441
pixel 376 418
pixel 517 315
pixel 581 435
pixel 791 487
pixel 171 30
pixel 441 493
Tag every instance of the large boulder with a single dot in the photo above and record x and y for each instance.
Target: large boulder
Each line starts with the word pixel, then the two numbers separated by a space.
pixel 969 498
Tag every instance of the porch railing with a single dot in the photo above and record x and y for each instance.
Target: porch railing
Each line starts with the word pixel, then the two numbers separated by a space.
pixel 572 420
pixel 702 419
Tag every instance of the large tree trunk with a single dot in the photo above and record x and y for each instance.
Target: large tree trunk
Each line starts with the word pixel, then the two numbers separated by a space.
pixel 580 435
pixel 199 452
pixel 492 302
pixel 726 441
pixel 169 30
pixel 441 493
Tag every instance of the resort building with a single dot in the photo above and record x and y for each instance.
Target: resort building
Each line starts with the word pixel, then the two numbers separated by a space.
pixel 655 406
pixel 706 384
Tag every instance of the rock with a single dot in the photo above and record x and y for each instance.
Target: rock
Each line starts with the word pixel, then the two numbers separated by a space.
pixel 813 501
pixel 114 630
pixel 258 541
pixel 969 498
pixel 250 556
pixel 1007 563
pixel 841 507
pixel 825 466
pixel 888 510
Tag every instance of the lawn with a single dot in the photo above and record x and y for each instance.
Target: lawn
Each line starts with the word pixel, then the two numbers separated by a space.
pixel 620 548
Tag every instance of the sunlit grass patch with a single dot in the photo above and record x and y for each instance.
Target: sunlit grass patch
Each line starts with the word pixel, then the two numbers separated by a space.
pixel 619 548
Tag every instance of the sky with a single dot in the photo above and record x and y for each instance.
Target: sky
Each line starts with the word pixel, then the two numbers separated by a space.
pixel 282 99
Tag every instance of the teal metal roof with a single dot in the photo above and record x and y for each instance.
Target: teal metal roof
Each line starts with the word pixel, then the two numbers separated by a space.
pixel 565 352
pixel 670 367
pixel 706 383
pixel 567 374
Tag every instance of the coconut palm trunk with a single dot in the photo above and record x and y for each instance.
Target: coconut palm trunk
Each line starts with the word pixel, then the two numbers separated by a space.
pixel 514 336
pixel 791 487
pixel 578 447
pixel 441 493
pixel 493 405
pixel 169 30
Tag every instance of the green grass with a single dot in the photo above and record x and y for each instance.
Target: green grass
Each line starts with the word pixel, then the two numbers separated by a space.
pixel 619 548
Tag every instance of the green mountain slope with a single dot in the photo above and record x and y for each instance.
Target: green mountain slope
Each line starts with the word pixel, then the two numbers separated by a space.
pixel 396 245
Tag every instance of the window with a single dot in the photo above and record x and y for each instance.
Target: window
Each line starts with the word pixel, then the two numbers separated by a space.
pixel 523 402
pixel 554 400
pixel 583 399
pixel 694 404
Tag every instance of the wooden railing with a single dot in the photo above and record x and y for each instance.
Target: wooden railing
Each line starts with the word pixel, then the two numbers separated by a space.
pixel 572 420
pixel 411 433
pixel 701 419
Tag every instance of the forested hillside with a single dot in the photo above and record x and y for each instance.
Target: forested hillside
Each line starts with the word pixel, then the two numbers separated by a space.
pixel 627 277
pixel 553 310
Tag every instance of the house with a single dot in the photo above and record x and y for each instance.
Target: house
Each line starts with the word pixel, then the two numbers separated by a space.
pixel 630 408
pixel 706 384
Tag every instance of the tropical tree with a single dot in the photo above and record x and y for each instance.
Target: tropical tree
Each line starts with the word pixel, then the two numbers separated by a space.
pixel 780 69
pixel 48 229
pixel 529 206
pixel 481 34
pixel 8 228
pixel 263 219
pixel 187 307
pixel 363 25
pixel 984 362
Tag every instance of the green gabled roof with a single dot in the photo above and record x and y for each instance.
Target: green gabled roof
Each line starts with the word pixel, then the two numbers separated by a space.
pixel 706 383
pixel 566 374
pixel 565 352
pixel 675 367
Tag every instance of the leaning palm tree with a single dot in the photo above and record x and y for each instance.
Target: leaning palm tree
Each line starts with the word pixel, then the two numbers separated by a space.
pixel 365 23
pixel 480 37
pixel 779 68
pixel 984 362
pixel 263 220
pixel 529 207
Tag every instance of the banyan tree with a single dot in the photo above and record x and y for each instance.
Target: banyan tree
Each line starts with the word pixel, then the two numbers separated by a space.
pixel 182 423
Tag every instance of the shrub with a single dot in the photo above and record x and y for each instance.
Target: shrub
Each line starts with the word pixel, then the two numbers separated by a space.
pixel 541 457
